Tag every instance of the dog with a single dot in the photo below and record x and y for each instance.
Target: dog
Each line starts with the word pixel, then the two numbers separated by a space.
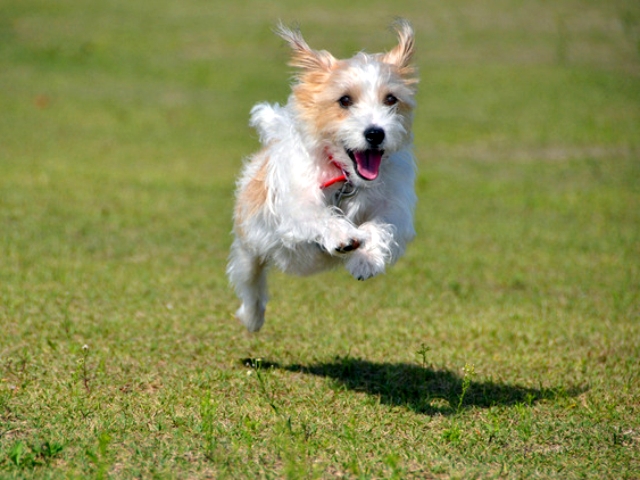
pixel 334 182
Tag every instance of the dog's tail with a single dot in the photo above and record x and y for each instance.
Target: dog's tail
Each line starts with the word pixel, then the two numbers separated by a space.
pixel 270 120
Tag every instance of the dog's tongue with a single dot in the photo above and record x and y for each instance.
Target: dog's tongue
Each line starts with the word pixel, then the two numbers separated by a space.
pixel 368 163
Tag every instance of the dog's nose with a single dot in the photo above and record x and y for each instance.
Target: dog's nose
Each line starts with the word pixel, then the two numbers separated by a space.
pixel 375 136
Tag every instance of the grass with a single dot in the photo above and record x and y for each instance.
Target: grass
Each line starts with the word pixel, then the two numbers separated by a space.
pixel 505 343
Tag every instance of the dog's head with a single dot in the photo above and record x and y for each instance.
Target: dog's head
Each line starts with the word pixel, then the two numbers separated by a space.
pixel 360 109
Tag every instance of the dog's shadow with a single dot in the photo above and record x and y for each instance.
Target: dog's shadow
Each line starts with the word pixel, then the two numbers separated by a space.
pixel 425 390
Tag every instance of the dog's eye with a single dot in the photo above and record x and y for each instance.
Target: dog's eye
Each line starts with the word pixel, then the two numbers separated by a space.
pixel 345 101
pixel 390 100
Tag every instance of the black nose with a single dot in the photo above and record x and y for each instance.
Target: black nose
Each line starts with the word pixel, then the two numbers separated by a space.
pixel 375 136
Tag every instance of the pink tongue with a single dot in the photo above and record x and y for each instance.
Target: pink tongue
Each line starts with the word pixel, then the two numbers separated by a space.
pixel 368 162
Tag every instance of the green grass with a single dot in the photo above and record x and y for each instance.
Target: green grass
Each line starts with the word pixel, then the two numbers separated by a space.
pixel 505 344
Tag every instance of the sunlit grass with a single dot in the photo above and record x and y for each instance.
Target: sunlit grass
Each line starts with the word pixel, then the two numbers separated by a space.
pixel 504 344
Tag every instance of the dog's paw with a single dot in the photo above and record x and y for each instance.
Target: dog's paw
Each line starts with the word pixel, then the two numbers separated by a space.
pixel 343 239
pixel 251 317
pixel 350 246
pixel 363 266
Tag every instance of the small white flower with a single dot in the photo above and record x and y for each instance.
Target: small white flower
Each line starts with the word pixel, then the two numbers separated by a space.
pixel 85 347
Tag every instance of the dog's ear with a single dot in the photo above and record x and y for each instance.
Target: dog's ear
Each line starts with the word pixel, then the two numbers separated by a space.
pixel 401 55
pixel 303 56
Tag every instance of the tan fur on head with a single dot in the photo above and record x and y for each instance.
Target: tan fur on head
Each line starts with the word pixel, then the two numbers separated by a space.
pixel 303 56
pixel 402 54
pixel 319 69
pixel 308 59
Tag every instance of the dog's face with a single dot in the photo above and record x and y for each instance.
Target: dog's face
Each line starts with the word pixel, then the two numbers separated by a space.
pixel 359 109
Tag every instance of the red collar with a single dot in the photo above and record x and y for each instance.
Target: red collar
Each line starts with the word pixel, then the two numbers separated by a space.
pixel 340 178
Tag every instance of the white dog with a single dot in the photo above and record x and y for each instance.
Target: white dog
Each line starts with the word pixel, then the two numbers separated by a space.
pixel 334 183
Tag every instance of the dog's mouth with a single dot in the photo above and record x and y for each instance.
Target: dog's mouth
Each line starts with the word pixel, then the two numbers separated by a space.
pixel 367 162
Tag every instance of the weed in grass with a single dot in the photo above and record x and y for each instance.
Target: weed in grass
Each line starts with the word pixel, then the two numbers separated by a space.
pixel 83 369
pixel 524 424
pixel 101 457
pixel 83 377
pixel 469 372
pixel 267 392
pixel 209 417
pixel 293 441
pixel 257 366
pixel 624 437
pixel 29 456
pixel 392 461
pixel 17 453
pixel 453 434
pixel 422 354
pixel 492 426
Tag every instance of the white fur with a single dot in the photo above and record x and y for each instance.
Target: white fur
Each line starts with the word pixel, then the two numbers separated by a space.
pixel 294 224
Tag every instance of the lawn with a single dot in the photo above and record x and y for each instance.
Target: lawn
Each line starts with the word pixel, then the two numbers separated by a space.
pixel 505 344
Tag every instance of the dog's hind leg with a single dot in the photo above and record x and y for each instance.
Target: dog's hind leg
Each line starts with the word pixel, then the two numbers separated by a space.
pixel 248 274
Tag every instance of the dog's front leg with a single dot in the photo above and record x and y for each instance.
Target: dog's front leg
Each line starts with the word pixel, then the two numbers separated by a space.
pixel 307 223
pixel 376 252
pixel 384 244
